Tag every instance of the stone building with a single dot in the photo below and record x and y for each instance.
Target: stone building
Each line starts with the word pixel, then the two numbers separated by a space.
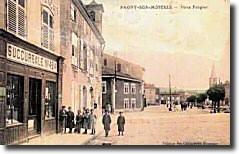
pixel 122 83
pixel 81 46
pixel 150 93
pixel 227 93
pixel 213 79
pixel 30 69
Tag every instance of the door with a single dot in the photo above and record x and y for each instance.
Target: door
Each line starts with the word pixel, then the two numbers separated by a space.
pixel 34 113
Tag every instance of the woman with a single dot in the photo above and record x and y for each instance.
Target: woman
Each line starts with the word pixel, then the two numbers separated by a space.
pixel 86 123
pixel 92 121
pixel 79 122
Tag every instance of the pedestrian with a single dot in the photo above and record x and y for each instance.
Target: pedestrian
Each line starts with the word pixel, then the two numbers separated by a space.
pixel 79 122
pixel 70 119
pixel 121 123
pixel 62 119
pixel 106 122
pixel 108 107
pixel 86 123
pixel 92 121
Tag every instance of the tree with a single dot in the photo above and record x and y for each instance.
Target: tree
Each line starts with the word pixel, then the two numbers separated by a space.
pixel 216 94
pixel 201 98
pixel 192 99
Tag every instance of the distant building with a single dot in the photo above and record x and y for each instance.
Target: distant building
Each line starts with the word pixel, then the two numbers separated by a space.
pixel 122 83
pixel 227 92
pixel 150 93
pixel 213 80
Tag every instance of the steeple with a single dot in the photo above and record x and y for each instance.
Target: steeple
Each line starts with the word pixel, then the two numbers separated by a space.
pixel 213 72
pixel 95 12
pixel 213 78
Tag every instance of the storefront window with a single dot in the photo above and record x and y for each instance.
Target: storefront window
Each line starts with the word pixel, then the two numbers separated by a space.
pixel 50 99
pixel 15 88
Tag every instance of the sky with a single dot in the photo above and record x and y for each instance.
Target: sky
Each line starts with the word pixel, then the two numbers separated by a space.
pixel 179 42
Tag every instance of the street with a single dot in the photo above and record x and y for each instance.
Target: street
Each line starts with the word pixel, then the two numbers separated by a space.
pixel 158 126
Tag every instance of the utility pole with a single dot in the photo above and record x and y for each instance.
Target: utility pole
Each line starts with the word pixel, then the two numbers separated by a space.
pixel 170 95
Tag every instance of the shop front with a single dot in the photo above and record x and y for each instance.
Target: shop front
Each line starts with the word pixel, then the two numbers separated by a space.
pixel 30 90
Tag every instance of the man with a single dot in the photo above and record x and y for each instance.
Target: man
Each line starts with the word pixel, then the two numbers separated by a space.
pixel 106 122
pixel 92 121
pixel 70 119
pixel 62 119
pixel 121 123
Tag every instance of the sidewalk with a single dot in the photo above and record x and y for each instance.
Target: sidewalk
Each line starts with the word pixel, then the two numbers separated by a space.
pixel 70 139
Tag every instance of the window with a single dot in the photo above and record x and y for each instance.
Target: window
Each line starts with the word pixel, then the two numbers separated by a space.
pixel 104 88
pixel 126 88
pixel 74 55
pixel 118 67
pixel 133 88
pixel 127 68
pixel 47 29
pixel 133 103
pixel 85 57
pixel 73 13
pixel 50 99
pixel 92 16
pixel 15 99
pixel 16 17
pixel 126 103
pixel 91 62
pixel 105 62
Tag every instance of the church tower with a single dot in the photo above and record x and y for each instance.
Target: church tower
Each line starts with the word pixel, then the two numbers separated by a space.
pixel 213 78
pixel 95 12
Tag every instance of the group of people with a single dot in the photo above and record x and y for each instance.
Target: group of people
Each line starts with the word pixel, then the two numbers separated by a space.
pixel 83 120
pixel 87 120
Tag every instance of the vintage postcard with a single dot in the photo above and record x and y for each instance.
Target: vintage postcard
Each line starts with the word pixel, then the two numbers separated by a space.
pixel 115 72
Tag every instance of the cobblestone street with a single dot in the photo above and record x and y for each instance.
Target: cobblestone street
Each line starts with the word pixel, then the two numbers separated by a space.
pixel 158 126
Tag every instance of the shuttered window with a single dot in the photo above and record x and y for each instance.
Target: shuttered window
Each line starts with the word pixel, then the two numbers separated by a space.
pixel 16 17
pixel 47 29
pixel 74 53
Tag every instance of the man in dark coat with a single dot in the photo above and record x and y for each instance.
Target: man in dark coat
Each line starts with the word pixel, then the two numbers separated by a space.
pixel 70 119
pixel 106 122
pixel 62 119
pixel 121 123
pixel 79 122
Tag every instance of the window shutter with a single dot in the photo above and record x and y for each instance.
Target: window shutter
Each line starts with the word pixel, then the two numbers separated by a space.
pixel 51 39
pixel 45 36
pixel 12 16
pixel 21 21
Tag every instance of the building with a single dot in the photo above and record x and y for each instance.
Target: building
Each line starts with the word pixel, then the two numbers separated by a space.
pixel 150 93
pixel 213 80
pixel 81 46
pixel 227 93
pixel 122 83
pixel 30 69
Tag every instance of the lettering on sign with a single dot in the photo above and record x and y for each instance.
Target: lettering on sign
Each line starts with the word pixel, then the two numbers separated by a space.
pixel 22 56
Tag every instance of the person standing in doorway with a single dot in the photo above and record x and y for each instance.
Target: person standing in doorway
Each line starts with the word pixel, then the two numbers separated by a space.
pixel 62 119
pixel 106 122
pixel 70 119
pixel 121 123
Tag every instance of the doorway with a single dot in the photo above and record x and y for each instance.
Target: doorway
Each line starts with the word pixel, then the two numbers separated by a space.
pixel 34 112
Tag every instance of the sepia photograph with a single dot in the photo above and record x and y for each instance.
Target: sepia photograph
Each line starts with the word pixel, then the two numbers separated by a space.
pixel 115 72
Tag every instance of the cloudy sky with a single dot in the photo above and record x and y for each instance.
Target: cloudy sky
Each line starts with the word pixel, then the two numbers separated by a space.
pixel 183 43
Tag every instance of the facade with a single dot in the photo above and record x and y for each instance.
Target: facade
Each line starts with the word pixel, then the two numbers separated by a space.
pixel 122 84
pixel 30 69
pixel 150 93
pixel 81 46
